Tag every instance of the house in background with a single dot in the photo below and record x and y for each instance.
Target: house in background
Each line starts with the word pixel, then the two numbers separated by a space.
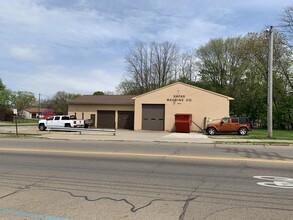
pixel 36 113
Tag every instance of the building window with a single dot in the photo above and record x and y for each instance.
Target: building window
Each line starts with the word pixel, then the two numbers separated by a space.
pixel 82 116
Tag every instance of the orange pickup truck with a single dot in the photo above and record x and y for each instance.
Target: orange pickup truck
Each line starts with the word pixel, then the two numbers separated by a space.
pixel 230 124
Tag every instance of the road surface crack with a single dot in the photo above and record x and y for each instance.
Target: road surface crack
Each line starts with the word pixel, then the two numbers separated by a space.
pixel 133 208
pixel 189 199
pixel 186 204
pixel 19 189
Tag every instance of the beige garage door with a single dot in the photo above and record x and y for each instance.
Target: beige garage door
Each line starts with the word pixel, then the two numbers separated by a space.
pixel 153 117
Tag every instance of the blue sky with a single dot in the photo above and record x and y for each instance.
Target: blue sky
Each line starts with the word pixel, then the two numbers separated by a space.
pixel 79 46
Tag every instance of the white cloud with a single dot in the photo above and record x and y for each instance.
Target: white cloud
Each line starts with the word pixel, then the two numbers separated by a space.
pixel 194 33
pixel 28 53
pixel 60 24
pixel 50 79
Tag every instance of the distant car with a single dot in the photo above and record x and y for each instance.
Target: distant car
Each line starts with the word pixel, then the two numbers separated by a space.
pixel 230 124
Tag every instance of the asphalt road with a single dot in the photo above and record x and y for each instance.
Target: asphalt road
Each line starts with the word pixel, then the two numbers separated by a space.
pixel 62 180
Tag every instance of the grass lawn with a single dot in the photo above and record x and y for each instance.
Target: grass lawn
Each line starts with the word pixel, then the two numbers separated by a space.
pixel 257 134
pixel 20 122
pixel 263 134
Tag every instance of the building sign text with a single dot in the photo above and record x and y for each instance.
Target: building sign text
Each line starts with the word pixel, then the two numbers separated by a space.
pixel 179 98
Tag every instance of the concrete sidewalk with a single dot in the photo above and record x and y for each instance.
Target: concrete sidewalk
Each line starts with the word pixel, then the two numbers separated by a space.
pixel 143 136
pixel 128 135
pixel 120 135
pixel 158 136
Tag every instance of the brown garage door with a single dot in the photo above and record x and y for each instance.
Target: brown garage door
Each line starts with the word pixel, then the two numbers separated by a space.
pixel 106 119
pixel 153 117
pixel 125 119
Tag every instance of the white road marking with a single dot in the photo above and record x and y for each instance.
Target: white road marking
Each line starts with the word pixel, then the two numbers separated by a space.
pixel 276 182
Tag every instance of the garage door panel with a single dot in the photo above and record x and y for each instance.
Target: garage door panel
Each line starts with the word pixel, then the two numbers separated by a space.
pixel 106 119
pixel 153 116
pixel 125 119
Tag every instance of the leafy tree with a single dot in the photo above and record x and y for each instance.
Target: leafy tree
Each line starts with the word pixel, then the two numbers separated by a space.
pixel 221 64
pixel 59 101
pixel 22 100
pixel 237 67
pixel 127 87
pixel 5 96
pixel 98 93
pixel 47 103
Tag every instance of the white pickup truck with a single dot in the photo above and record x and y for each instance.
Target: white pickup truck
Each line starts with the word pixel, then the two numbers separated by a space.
pixel 58 121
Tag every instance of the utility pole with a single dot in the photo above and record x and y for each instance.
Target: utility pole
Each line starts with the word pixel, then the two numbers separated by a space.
pixel 39 106
pixel 270 83
pixel 15 118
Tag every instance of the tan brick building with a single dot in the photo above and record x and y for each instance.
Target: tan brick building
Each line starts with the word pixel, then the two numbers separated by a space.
pixel 154 110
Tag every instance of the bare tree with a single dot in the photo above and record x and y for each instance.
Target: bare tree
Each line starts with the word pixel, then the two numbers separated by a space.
pixel 187 67
pixel 287 19
pixel 137 66
pixel 165 59
pixel 287 29
pixel 150 66
pixel 287 24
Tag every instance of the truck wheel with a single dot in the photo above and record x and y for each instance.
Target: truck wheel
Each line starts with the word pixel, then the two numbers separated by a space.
pixel 211 131
pixel 242 131
pixel 67 125
pixel 42 127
